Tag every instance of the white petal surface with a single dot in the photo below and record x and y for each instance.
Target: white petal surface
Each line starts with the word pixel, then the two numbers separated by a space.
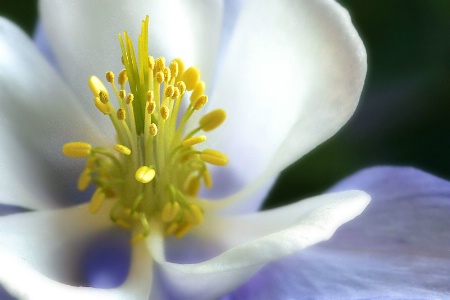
pixel 83 35
pixel 252 241
pixel 39 253
pixel 291 78
pixel 39 114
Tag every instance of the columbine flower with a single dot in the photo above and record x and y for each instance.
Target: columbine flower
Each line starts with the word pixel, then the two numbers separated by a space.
pixel 290 77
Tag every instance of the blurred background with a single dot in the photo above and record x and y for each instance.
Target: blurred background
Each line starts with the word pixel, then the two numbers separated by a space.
pixel 403 116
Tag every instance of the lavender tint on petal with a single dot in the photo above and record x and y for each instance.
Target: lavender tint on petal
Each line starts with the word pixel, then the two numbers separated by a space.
pixel 397 249
pixel 42 44
pixel 107 260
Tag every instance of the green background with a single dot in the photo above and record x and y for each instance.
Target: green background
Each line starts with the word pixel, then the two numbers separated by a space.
pixel 403 116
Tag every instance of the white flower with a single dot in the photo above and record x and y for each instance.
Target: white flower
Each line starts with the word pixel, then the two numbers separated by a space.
pixel 289 77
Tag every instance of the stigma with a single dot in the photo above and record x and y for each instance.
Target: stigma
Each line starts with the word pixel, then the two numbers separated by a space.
pixel 155 170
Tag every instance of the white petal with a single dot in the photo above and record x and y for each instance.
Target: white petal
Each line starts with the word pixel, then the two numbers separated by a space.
pixel 39 253
pixel 255 240
pixel 83 35
pixel 39 114
pixel 291 78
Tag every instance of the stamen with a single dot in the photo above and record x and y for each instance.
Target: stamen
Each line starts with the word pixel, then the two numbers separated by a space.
pixel 122 149
pixel 145 174
pixel 194 141
pixel 96 201
pixel 96 85
pixel 214 157
pixel 212 120
pixel 77 149
pixel 155 172
pixel 190 77
pixel 123 77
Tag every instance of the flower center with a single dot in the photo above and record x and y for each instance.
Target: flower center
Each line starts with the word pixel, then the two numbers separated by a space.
pixel 155 171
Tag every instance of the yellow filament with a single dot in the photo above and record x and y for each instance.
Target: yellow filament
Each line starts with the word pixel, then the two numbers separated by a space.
pixel 77 149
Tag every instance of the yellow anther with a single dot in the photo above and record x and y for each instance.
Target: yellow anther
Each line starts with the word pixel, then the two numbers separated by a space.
pixel 130 98
pixel 198 91
pixel 167 74
pixel 190 77
pixel 194 214
pixel 194 140
pixel 122 94
pixel 170 211
pixel 207 178
pixel 174 68
pixel 151 107
pixel 90 163
pixel 122 149
pixel 104 98
pixel 84 180
pixel 212 120
pixel 153 129
pixel 183 229
pixel 110 77
pixel 77 149
pixel 164 111
pixel 122 60
pixel 121 114
pixel 123 77
pixel 200 102
pixel 193 186
pixel 169 91
pixel 150 96
pixel 102 107
pixel 160 64
pixel 145 174
pixel 176 93
pixel 180 65
pixel 96 85
pixel 172 228
pixel 96 201
pixel 137 238
pixel 123 223
pixel 181 86
pixel 160 77
pixel 214 157
pixel 151 62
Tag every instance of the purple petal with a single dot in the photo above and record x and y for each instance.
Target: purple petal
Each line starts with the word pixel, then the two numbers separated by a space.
pixel 398 247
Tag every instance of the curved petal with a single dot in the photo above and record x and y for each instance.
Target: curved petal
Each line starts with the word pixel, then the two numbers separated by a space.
pixel 39 251
pixel 292 77
pixel 252 241
pixel 39 114
pixel 83 36
pixel 398 248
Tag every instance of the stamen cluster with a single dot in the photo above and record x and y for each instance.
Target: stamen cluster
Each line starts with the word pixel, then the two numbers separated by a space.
pixel 155 172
